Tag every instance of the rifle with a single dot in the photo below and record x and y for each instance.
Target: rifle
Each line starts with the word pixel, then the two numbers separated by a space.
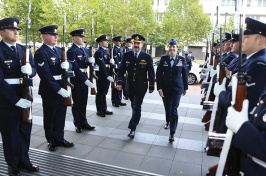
pixel 207 49
pixel 92 75
pixel 111 71
pixel 68 101
pixel 26 81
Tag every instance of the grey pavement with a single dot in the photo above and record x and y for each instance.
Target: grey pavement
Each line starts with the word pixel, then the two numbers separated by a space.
pixel 150 150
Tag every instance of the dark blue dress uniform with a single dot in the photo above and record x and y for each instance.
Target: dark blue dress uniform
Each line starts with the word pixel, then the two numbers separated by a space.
pixel 102 56
pixel 78 56
pixel 15 132
pixel 137 68
pixel 250 138
pixel 173 81
pixel 189 62
pixel 116 96
pixel 49 70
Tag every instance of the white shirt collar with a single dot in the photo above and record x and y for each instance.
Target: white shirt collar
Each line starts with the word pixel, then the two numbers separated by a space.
pixel 9 45
pixel 137 53
pixel 77 45
pixel 251 54
pixel 49 46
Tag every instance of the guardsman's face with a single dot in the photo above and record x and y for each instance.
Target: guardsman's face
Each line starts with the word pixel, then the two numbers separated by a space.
pixel 129 45
pixel 104 43
pixel 50 39
pixel 78 40
pixel 252 43
pixel 117 43
pixel 173 50
pixel 137 46
pixel 235 47
pixel 10 36
pixel 227 47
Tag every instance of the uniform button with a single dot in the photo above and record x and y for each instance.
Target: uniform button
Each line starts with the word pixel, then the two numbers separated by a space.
pixel 134 68
pixel 134 73
pixel 261 102
pixel 249 155
pixel 135 64
pixel 8 66
pixel 19 60
pixel 256 115
pixel 258 104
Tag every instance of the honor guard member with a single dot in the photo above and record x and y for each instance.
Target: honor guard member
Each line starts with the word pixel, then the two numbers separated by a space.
pixel 227 49
pixel 49 68
pixel 79 58
pixel 102 56
pixel 172 82
pixel 138 66
pixel 116 96
pixel 190 55
pixel 15 132
pixel 189 62
pixel 128 47
pixel 128 44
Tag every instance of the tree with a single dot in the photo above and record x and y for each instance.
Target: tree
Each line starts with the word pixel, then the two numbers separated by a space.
pixel 185 21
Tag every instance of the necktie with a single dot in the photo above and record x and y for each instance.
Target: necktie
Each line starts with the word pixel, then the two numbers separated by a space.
pixel 136 56
pixel 14 48
pixel 172 61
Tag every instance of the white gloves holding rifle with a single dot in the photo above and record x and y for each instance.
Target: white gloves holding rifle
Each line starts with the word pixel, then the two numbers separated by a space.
pixel 65 65
pixel 91 60
pixel 235 119
pixel 209 68
pixel 219 88
pixel 89 84
pixel 213 72
pixel 26 69
pixel 110 78
pixel 112 61
pixel 64 93
pixel 23 103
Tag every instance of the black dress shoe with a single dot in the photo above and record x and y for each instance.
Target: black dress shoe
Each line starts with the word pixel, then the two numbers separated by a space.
pixel 88 127
pixel 101 114
pixel 29 167
pixel 131 134
pixel 108 112
pixel 65 143
pixel 171 138
pixel 122 104
pixel 52 147
pixel 13 171
pixel 115 104
pixel 78 129
pixel 166 126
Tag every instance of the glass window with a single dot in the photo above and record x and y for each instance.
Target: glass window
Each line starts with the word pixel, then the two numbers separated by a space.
pixel 165 2
pixel 227 2
pixel 152 2
pixel 233 3
pixel 264 3
pixel 259 3
pixel 248 3
pixel 223 3
pixel 158 2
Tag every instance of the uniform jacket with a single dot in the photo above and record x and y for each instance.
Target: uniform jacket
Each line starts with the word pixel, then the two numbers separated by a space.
pixel 137 71
pixel 102 60
pixel 189 63
pixel 251 139
pixel 10 67
pixel 79 59
pixel 229 57
pixel 48 65
pixel 172 78
pixel 128 49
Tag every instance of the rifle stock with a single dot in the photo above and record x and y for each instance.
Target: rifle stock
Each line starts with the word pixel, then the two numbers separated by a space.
pixel 92 75
pixel 111 71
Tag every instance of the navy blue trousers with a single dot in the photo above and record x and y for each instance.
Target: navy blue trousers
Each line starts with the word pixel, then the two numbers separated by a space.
pixel 136 102
pixel 124 86
pixel 80 98
pixel 54 115
pixel 116 96
pixel 15 136
pixel 171 103
pixel 102 90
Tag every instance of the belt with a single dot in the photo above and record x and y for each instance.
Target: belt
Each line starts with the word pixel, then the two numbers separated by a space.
pixel 257 161
pixel 57 77
pixel 83 70
pixel 13 80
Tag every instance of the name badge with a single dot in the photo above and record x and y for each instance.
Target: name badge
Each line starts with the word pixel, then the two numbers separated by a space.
pixel 127 62
pixel 80 56
pixel 53 59
pixel 165 65
pixel 8 62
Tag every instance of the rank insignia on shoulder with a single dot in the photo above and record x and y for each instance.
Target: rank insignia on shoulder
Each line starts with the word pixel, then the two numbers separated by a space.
pixel 101 58
pixel 73 61
pixel 260 63
pixel 264 118
pixel 41 64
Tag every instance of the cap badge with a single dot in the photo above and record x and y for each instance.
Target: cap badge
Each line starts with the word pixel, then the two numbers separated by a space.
pixel 55 30
pixel 137 38
pixel 15 23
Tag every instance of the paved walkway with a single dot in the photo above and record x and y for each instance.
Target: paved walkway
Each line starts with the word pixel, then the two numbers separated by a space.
pixel 150 150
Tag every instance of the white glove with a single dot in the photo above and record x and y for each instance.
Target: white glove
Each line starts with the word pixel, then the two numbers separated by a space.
pixel 213 72
pixel 26 69
pixel 91 60
pixel 65 65
pixel 89 84
pixel 112 61
pixel 110 78
pixel 64 93
pixel 209 68
pixel 219 88
pixel 235 119
pixel 23 103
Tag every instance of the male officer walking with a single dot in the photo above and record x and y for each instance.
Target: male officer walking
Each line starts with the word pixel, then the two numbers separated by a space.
pixel 48 61
pixel 188 60
pixel 138 66
pixel 172 82
pixel 78 55
pixel 15 132
pixel 117 54
pixel 102 56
